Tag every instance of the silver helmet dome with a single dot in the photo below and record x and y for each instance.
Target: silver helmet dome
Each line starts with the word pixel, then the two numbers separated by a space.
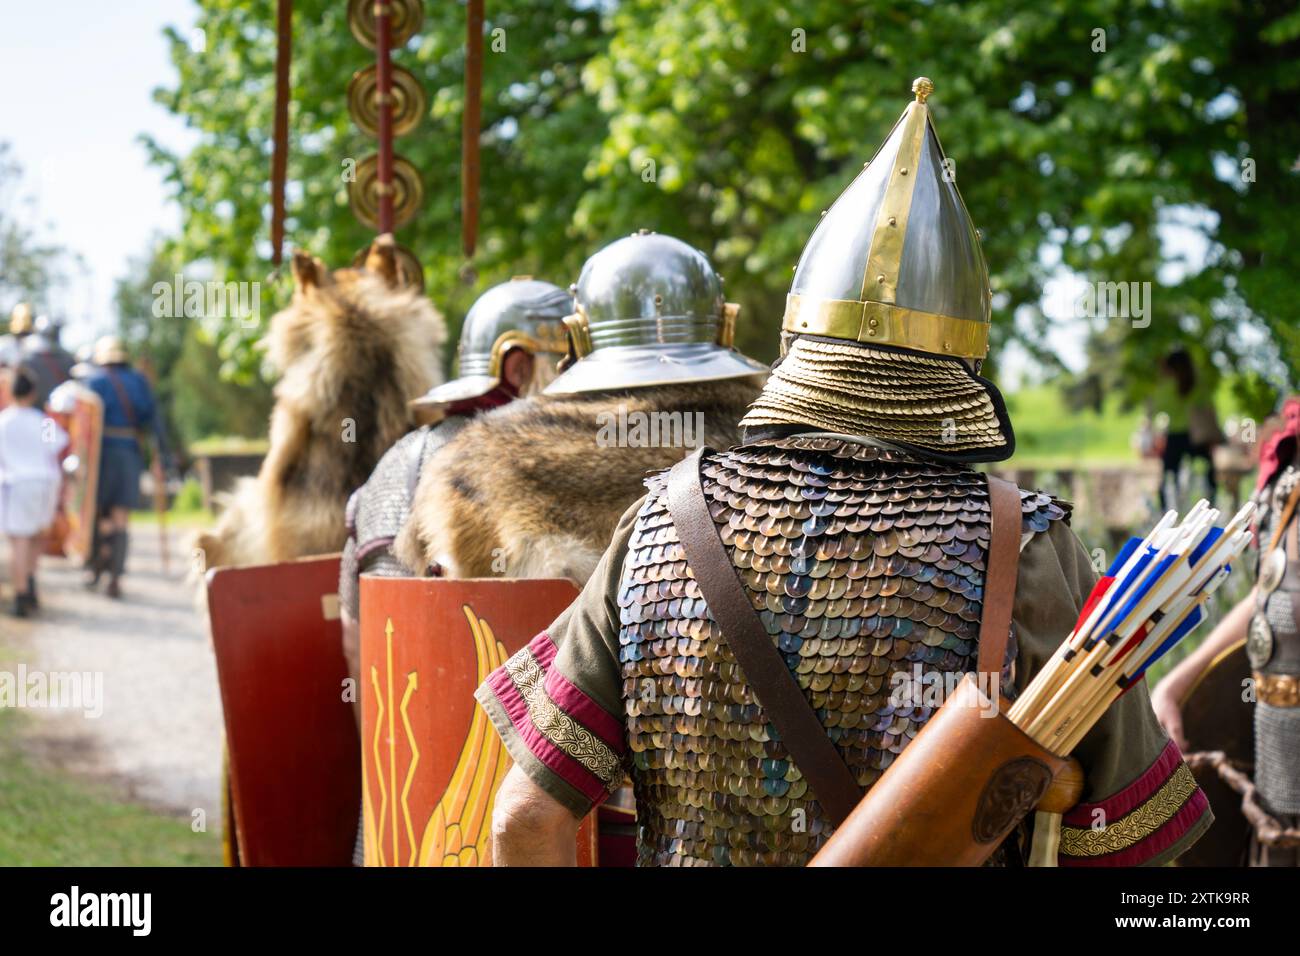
pixel 522 313
pixel 650 311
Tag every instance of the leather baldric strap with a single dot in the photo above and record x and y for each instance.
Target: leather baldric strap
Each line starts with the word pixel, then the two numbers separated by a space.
pixel 1287 511
pixel 777 690
pixel 1000 570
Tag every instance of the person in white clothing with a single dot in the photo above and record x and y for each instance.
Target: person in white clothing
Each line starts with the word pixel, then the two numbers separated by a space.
pixel 30 445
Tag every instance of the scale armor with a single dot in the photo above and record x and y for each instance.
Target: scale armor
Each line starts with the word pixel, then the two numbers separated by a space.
pixel 1277 729
pixel 377 510
pixel 863 563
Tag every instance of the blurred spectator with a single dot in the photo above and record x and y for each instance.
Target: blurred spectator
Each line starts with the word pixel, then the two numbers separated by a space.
pixel 1184 400
pixel 30 445
pixel 129 415
pixel 47 359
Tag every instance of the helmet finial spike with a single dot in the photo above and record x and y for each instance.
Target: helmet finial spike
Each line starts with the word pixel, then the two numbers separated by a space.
pixel 922 86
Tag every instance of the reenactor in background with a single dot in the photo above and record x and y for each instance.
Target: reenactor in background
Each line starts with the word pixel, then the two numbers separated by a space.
pixel 859 532
pixel 534 489
pixel 1268 620
pixel 11 343
pixel 129 416
pixel 46 357
pixel 349 351
pixel 510 342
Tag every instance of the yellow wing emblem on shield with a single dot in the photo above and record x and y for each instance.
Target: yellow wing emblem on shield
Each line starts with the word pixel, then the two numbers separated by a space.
pixel 458 830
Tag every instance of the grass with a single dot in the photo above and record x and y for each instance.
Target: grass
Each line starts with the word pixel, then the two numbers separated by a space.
pixel 48 818
pixel 1050 435
pixel 229 445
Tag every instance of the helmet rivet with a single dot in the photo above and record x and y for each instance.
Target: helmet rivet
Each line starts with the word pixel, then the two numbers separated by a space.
pixel 873 322
pixel 893 221
pixel 947 346
pixel 880 278
pixel 803 324
pixel 903 171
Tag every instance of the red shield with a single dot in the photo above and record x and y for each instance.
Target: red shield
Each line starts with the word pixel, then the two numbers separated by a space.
pixel 432 762
pixel 291 734
pixel 75 523
pixel 1215 717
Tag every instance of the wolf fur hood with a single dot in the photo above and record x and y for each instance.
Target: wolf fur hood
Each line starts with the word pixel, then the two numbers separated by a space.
pixel 352 348
pixel 535 488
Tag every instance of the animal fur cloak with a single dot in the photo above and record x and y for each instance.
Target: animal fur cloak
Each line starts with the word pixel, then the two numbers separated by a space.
pixel 353 348
pixel 535 488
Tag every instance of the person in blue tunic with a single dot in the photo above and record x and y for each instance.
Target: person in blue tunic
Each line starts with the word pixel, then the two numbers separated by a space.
pixel 129 413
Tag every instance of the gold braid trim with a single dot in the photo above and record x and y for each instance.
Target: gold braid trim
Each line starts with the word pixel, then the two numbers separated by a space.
pixel 1135 826
pixel 558 727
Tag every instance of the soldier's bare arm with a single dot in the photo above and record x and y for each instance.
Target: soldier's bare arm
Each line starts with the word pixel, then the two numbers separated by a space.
pixel 530 827
pixel 1167 697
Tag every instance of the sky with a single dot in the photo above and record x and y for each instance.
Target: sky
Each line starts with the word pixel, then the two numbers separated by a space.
pixel 77 78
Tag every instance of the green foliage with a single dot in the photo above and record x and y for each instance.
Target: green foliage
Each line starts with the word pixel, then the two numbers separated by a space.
pixel 176 352
pixel 189 499
pixel 1049 434
pixel 30 266
pixel 732 124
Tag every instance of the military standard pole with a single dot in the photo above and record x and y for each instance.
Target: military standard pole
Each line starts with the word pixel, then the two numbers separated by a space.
pixel 384 84
pixel 469 166
pixel 280 156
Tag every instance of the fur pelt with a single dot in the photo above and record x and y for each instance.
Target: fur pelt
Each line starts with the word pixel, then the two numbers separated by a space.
pixel 352 349
pixel 535 488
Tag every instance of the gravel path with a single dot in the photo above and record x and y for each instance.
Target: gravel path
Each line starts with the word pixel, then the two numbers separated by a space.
pixel 159 738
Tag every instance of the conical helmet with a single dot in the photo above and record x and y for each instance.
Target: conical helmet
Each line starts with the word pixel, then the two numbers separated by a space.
pixel 522 313
pixel 888 316
pixel 650 311
pixel 20 319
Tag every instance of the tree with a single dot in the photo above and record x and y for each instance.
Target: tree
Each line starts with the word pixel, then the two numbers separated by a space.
pixel 176 351
pixel 30 266
pixel 1080 129
pixel 538 129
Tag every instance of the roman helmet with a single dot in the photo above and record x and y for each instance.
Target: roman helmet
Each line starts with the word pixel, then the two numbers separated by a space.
pixel 85 362
pixel 109 351
pixel 49 330
pixel 650 311
pixel 887 320
pixel 20 319
pixel 522 313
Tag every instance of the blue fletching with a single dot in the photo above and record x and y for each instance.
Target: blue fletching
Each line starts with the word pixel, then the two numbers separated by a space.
pixel 1181 631
pixel 1198 552
pixel 1117 591
pixel 1125 553
pixel 1138 592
